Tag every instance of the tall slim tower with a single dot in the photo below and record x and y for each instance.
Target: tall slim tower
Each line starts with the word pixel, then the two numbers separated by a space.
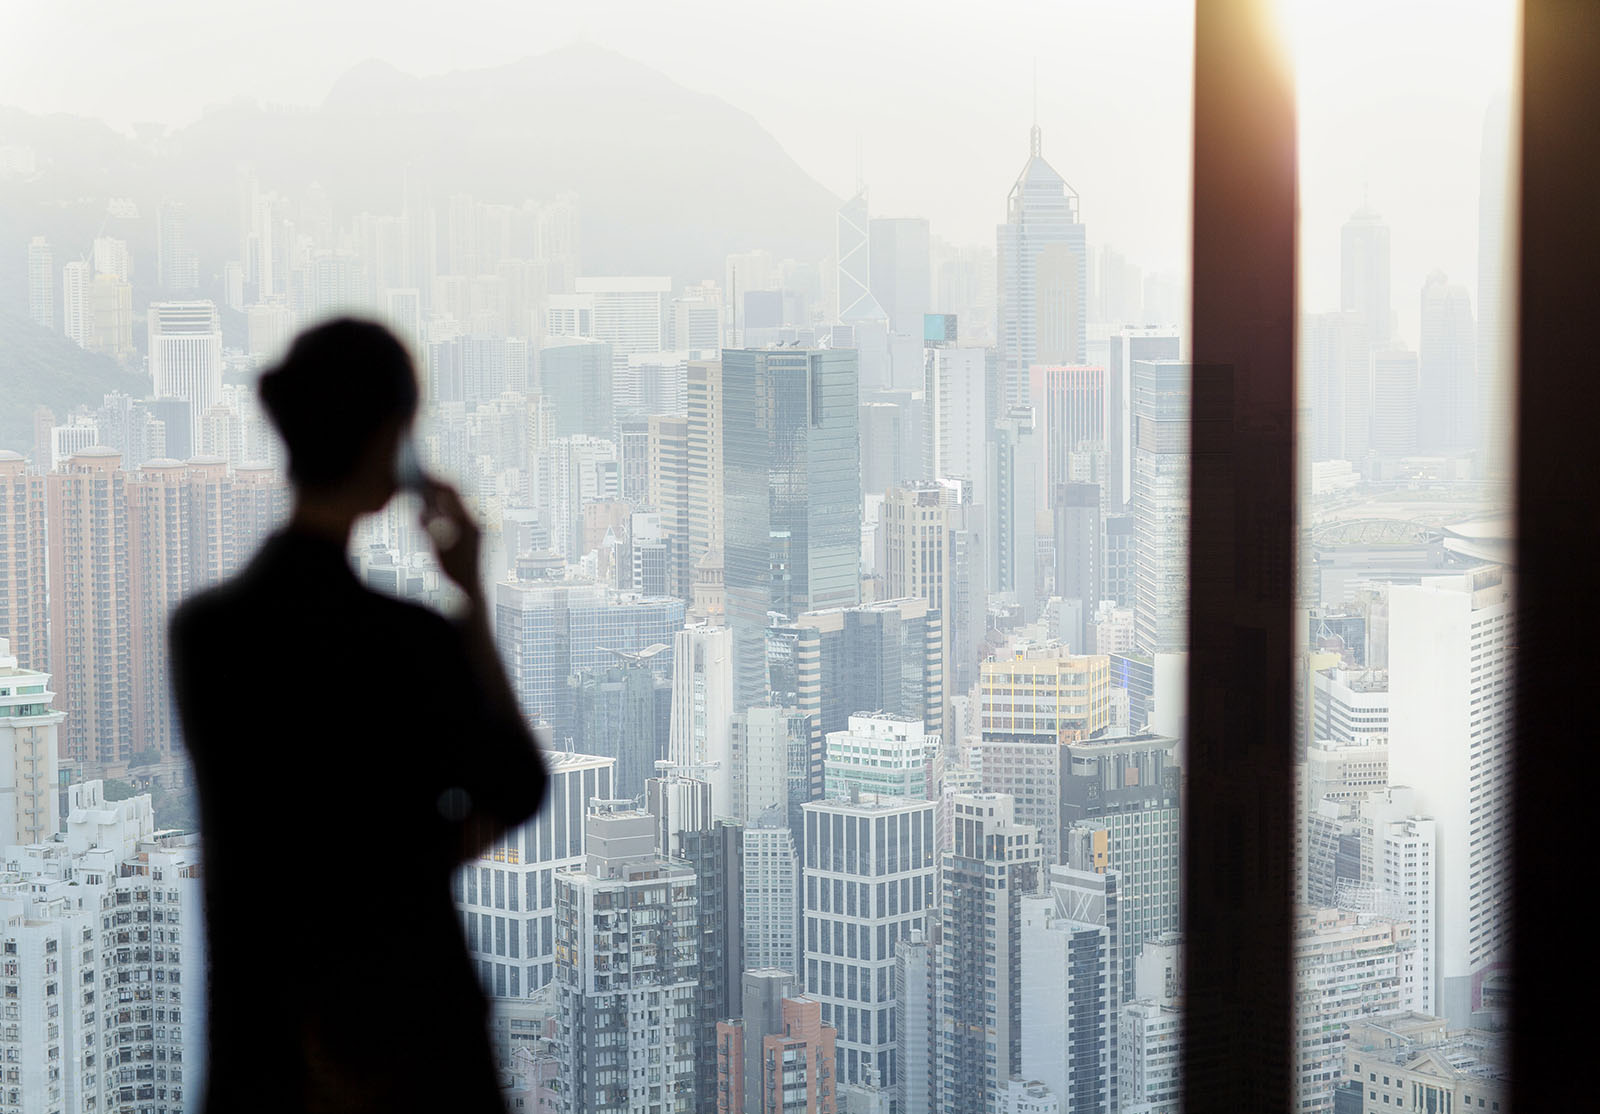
pixel 1161 399
pixel 24 609
pixel 41 283
pixel 91 607
pixel 704 456
pixel 177 265
pixel 1447 388
pixel 792 494
pixel 1042 265
pixel 1364 273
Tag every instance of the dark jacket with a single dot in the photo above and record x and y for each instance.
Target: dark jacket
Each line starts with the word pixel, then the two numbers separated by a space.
pixel 348 759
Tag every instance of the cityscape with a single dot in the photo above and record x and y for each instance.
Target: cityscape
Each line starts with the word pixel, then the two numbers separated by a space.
pixel 839 563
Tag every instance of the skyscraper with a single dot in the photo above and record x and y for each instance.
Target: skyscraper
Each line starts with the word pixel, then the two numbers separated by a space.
pixel 1335 358
pixel 792 494
pixel 884 754
pixel 91 608
pixel 901 271
pixel 770 905
pixel 24 606
pixel 1447 388
pixel 1074 410
pixel 41 283
pixel 575 375
pixel 177 264
pixel 622 710
pixel 1015 498
pixel 667 491
pixel 77 315
pixel 992 864
pixel 1127 346
pixel 186 355
pixel 1161 394
pixel 700 738
pixel 956 432
pixel 1080 552
pixel 1394 402
pixel 869 878
pixel 1450 689
pixel 854 300
pixel 1364 273
pixel 934 550
pixel 704 459
pixel 1042 233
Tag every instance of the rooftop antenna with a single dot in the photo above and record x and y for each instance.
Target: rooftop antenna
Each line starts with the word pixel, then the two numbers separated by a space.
pixel 1033 136
pixel 861 176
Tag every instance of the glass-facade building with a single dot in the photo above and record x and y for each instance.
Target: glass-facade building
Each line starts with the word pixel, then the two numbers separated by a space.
pixel 1161 394
pixel 792 494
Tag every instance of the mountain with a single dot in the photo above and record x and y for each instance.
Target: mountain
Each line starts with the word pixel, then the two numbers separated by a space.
pixel 40 367
pixel 669 181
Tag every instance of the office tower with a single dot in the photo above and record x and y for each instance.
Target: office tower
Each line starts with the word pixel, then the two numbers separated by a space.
pixel 1399 870
pixel 892 440
pixel 1014 501
pixel 901 274
pixel 110 318
pixel 955 394
pixel 1346 770
pixel 1346 968
pixel 1080 549
pixel 1072 402
pixel 668 491
pixel 681 805
pixel 704 451
pixel 1128 346
pixel 873 657
pixel 1451 682
pixel 186 354
pixel 581 470
pixel 1070 940
pixel 650 383
pixel 629 313
pixel 29 752
pixel 24 605
pixel 177 264
pixel 547 630
pixel 1496 340
pixel 575 375
pixel 881 753
pixel 1120 811
pixel 1350 705
pixel 992 863
pixel 1447 389
pixel 853 298
pixel 1161 394
pixel 1027 769
pixel 627 972
pixel 934 550
pixel 623 710
pixel 916 1021
pixel 700 738
pixel 1423 1065
pixel 633 459
pixel 1043 690
pixel 77 319
pixel 41 283
pixel 506 898
pixel 774 763
pixel 1335 360
pixel 1364 274
pixel 1042 264
pixel 869 878
pixel 1394 402
pixel 792 494
pixel 771 899
pixel 695 322
pixel 715 852
pixel 91 608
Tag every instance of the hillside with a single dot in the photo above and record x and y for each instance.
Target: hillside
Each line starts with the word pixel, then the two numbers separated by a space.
pixel 39 367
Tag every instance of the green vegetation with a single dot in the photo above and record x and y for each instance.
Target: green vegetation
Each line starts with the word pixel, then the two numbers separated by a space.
pixel 39 367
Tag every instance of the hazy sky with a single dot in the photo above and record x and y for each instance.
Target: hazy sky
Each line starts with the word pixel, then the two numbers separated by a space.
pixel 936 95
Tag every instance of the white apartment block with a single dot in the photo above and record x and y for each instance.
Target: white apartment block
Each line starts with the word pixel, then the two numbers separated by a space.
pixel 771 896
pixel 1350 704
pixel 186 355
pixel 869 882
pixel 700 736
pixel 1027 1096
pixel 507 898
pixel 1150 1058
pixel 1450 739
pixel 1400 859
pixel 30 810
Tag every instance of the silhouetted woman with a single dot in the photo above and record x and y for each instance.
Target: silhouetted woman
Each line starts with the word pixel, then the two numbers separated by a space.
pixel 351 750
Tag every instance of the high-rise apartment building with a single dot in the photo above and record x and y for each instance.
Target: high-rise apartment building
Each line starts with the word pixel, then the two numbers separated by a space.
pixel 704 454
pixel 1399 868
pixel 30 750
pixel 91 608
pixel 933 549
pixel 110 317
pixel 775 767
pixel 1450 697
pixel 1447 387
pixel 41 283
pixel 992 863
pixel 1042 263
pixel 177 263
pixel 715 852
pixel 771 909
pixel 24 607
pixel 884 754
pixel 869 881
pixel 1160 497
pixel 958 415
pixel 1150 1058
pixel 186 354
pixel 506 899
pixel 1027 769
pixel 1073 992
pixel 792 494
pixel 667 491
pixel 778 1057
pixel 77 315
pixel 627 973
pixel 916 1013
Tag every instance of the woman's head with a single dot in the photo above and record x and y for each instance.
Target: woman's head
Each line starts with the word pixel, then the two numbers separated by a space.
pixel 342 397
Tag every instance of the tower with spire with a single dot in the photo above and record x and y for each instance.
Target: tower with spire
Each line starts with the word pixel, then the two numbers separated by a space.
pixel 1042 268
